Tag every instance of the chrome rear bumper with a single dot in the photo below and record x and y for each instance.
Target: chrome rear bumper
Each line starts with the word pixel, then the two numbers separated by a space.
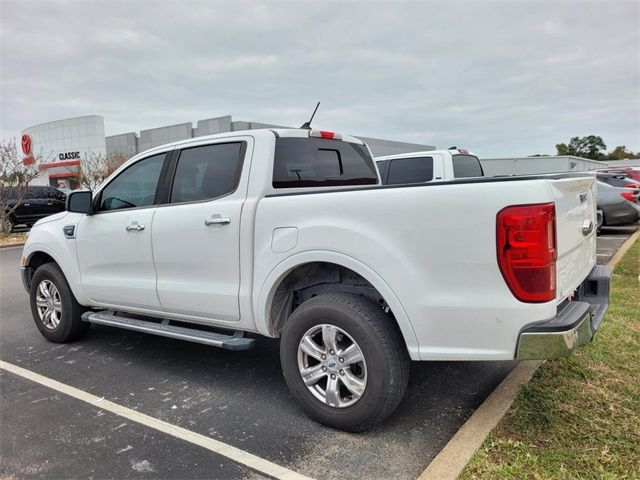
pixel 575 324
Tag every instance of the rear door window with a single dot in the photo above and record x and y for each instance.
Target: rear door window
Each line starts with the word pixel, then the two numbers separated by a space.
pixel 319 162
pixel 410 170
pixel 465 166
pixel 54 193
pixel 206 172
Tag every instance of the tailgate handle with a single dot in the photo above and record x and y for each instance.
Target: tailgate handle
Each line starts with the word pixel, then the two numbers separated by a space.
pixel 587 227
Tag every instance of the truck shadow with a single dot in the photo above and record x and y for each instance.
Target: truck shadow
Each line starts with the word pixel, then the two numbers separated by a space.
pixel 439 393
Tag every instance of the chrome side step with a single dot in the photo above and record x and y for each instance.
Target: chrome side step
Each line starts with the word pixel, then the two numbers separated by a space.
pixel 235 341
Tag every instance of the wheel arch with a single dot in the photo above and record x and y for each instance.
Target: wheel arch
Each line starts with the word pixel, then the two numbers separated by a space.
pixel 271 312
pixel 38 254
pixel 35 260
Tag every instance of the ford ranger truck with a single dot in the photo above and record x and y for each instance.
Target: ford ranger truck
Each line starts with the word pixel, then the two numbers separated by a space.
pixel 289 233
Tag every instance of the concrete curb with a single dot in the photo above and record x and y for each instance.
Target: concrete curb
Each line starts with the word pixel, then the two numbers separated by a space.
pixel 455 455
pixel 623 249
pixel 452 459
pixel 12 245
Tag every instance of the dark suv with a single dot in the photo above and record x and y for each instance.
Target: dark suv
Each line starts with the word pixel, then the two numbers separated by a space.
pixel 37 203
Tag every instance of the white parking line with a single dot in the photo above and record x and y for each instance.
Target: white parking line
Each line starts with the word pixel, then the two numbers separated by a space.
pixel 233 453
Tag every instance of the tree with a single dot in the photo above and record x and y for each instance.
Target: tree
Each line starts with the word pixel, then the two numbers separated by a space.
pixel 15 174
pixel 621 153
pixel 591 146
pixel 94 168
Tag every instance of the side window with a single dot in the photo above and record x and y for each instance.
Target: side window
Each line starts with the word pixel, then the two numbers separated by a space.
pixel 14 193
pixel 135 187
pixel 411 170
pixel 316 162
pixel 32 193
pixel 53 193
pixel 466 166
pixel 209 171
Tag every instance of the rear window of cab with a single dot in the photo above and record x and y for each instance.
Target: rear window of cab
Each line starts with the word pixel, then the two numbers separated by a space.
pixel 466 166
pixel 319 162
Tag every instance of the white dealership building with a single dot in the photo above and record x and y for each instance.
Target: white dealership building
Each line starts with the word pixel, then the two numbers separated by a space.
pixel 60 145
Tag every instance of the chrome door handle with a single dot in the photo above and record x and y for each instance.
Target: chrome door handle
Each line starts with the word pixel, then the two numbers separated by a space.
pixel 135 227
pixel 587 227
pixel 217 220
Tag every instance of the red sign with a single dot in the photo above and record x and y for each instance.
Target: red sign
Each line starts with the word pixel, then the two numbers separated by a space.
pixel 26 144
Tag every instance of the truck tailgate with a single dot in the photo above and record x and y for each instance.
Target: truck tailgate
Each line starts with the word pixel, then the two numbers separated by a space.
pixel 575 200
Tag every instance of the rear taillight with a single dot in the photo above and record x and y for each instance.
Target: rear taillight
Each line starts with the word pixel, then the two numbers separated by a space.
pixel 526 242
pixel 630 195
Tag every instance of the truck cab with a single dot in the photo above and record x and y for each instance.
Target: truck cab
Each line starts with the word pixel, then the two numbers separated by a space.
pixel 429 166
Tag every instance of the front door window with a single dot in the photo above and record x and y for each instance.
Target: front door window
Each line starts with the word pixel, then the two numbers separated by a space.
pixel 135 187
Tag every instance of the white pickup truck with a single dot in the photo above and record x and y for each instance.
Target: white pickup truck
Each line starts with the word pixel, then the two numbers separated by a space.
pixel 429 166
pixel 288 233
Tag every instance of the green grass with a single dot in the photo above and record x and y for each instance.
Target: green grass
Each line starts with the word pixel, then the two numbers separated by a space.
pixel 578 417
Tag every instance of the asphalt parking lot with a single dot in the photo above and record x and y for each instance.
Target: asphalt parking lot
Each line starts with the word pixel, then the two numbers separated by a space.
pixel 611 239
pixel 238 398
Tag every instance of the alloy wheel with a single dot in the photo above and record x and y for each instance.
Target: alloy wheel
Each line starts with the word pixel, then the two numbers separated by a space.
pixel 332 365
pixel 49 304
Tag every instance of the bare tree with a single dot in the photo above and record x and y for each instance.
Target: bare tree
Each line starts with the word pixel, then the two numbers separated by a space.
pixel 94 168
pixel 15 174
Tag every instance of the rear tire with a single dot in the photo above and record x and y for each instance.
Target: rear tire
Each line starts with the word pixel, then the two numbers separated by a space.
pixel 55 310
pixel 337 390
pixel 7 225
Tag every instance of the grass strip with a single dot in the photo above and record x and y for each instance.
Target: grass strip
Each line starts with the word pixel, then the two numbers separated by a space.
pixel 579 416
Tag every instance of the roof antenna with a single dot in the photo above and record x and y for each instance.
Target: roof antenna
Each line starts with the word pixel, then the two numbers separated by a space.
pixel 307 125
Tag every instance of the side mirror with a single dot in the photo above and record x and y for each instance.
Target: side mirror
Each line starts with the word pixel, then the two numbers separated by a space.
pixel 79 202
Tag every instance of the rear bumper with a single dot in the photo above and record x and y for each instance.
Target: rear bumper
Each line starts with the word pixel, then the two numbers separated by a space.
pixel 575 324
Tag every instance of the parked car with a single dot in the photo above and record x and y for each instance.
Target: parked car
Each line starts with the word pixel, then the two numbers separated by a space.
pixel 289 233
pixel 618 180
pixel 38 202
pixel 619 205
pixel 429 166
pixel 631 172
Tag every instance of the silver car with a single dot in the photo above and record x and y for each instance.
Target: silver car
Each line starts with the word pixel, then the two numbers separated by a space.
pixel 619 205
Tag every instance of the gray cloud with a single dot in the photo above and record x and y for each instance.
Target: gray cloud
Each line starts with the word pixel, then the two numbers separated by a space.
pixel 507 78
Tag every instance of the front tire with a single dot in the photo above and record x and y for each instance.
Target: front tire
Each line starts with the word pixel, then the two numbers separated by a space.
pixel 344 361
pixel 55 310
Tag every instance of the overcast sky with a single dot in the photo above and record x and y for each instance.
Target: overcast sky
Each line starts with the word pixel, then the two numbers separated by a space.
pixel 501 78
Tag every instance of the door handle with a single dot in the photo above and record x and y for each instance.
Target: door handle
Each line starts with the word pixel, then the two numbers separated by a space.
pixel 135 227
pixel 26 204
pixel 49 203
pixel 217 220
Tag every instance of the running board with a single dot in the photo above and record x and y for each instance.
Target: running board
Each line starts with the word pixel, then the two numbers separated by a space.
pixel 235 341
